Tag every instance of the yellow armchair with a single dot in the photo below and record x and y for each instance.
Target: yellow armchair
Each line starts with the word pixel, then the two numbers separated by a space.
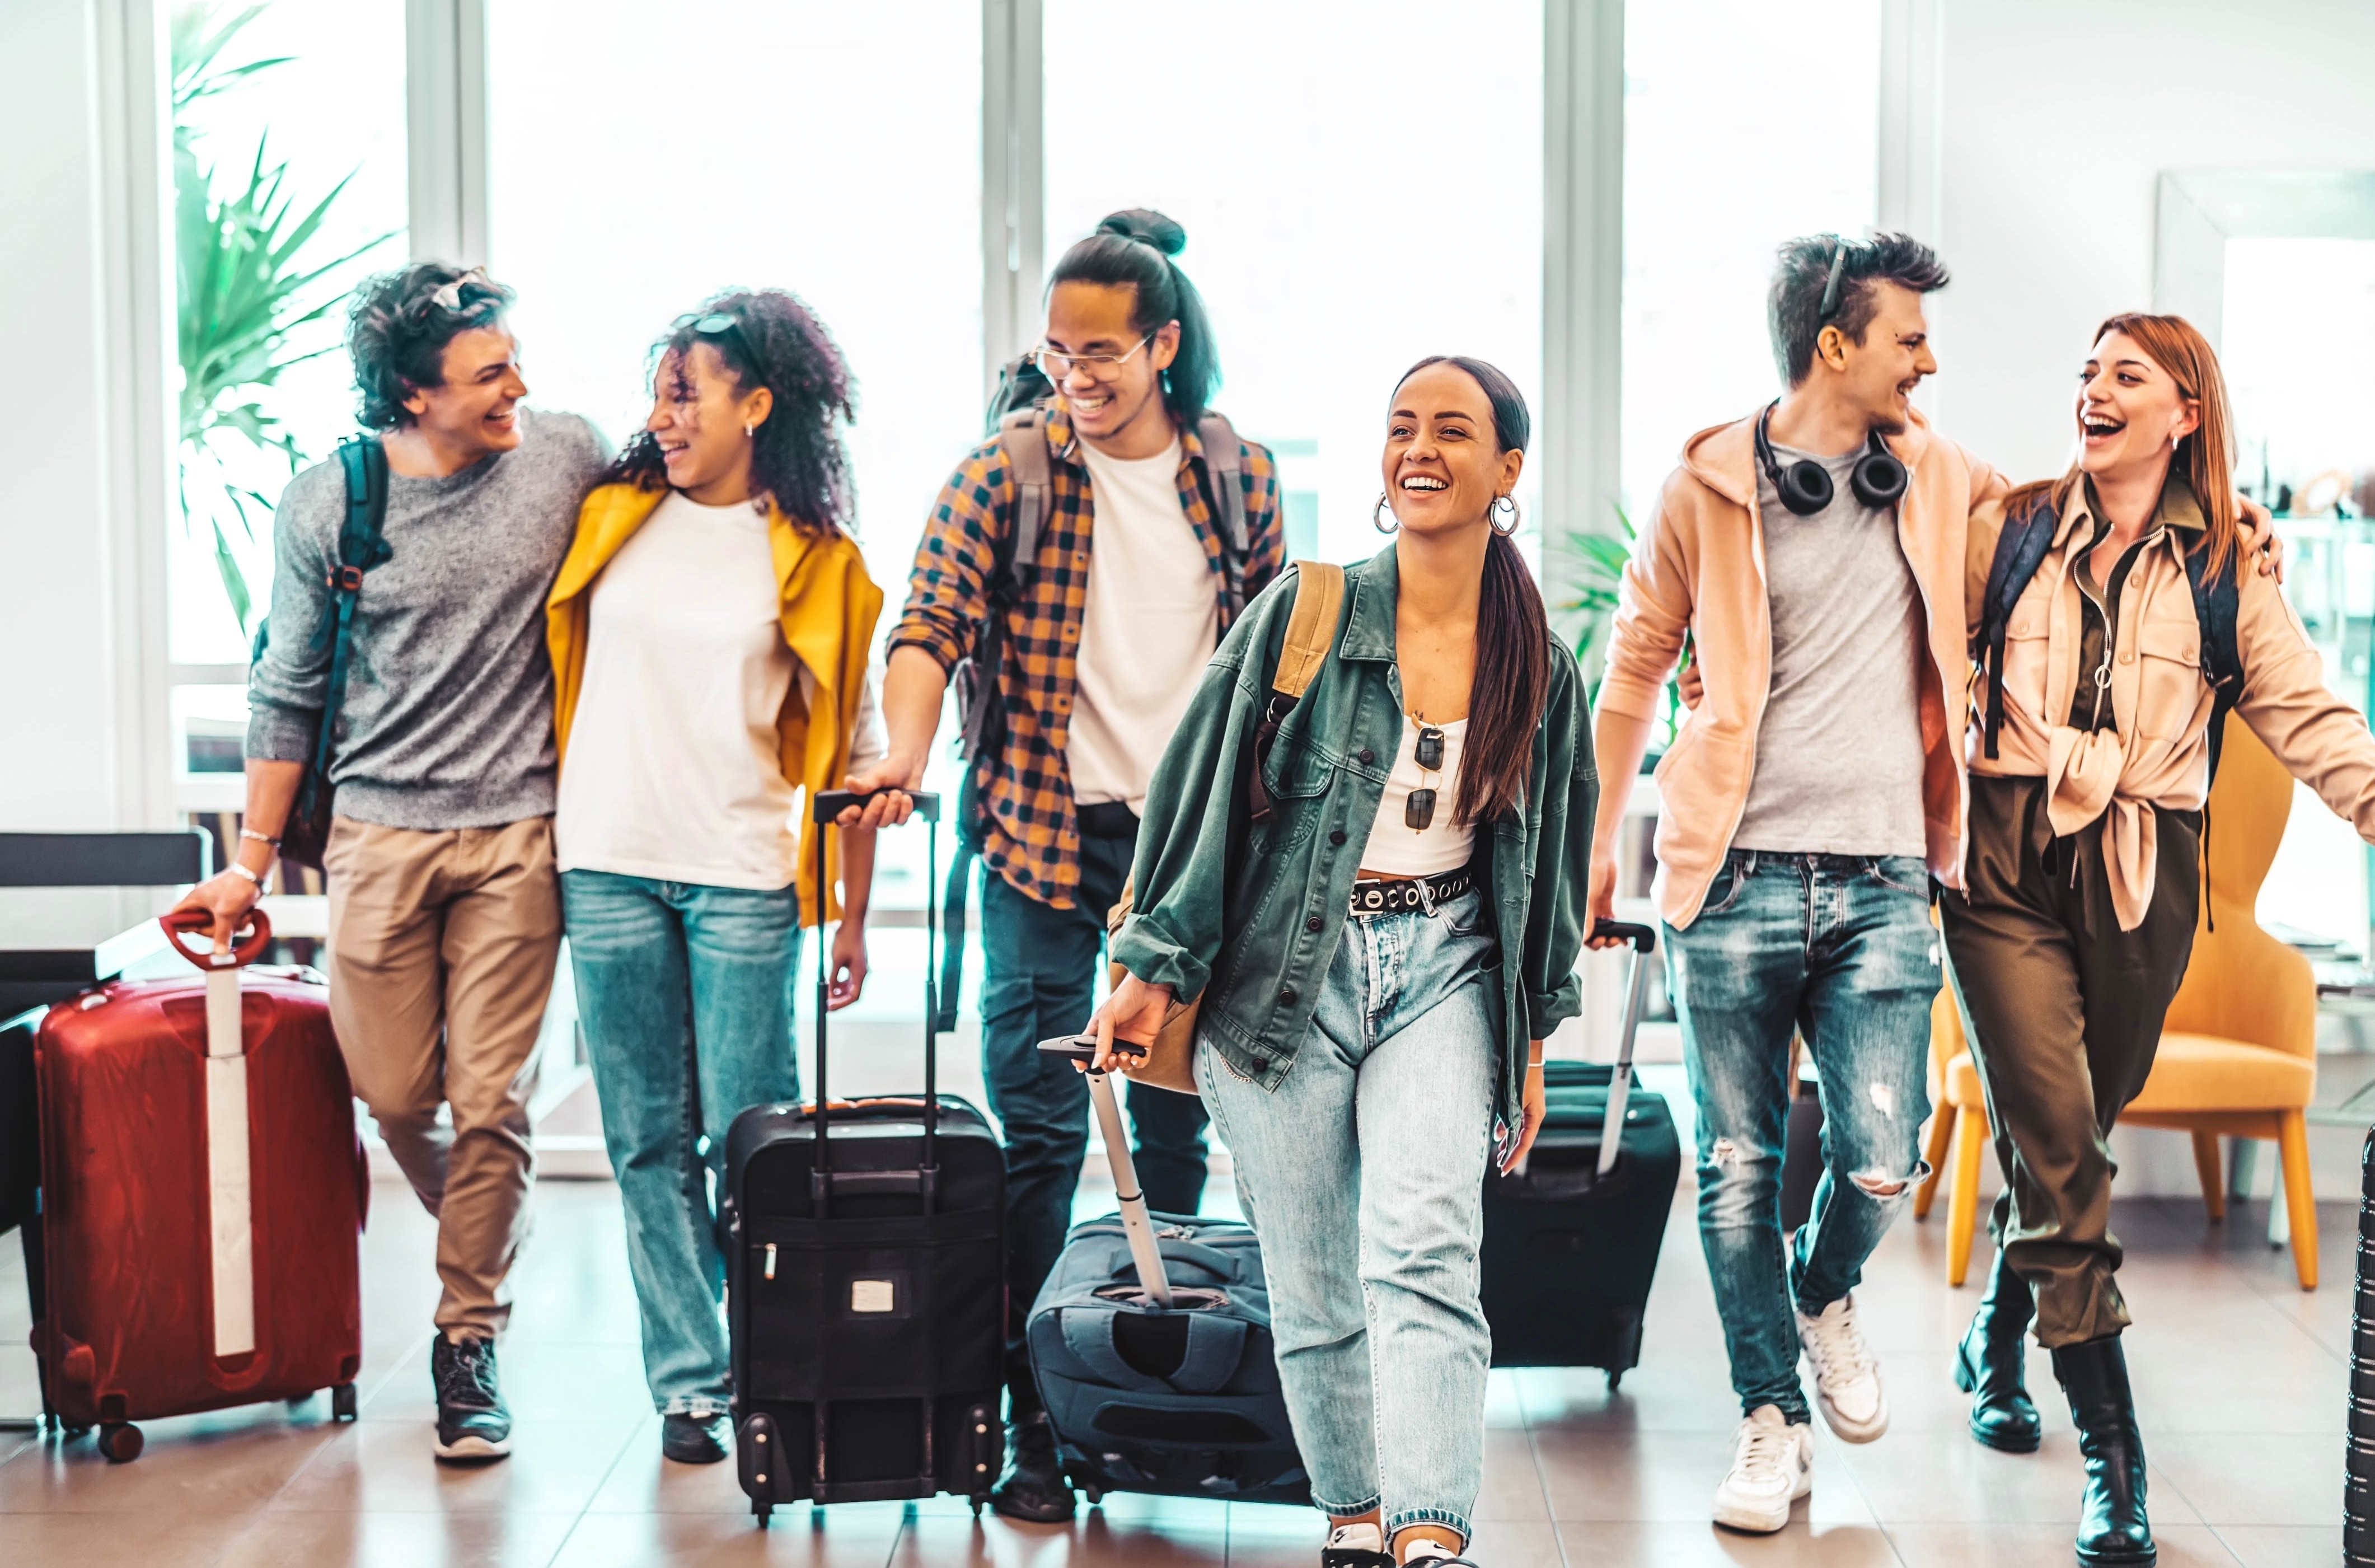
pixel 2238 1055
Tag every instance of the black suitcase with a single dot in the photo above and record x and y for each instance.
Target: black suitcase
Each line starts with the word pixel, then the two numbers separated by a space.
pixel 1571 1240
pixel 1150 1345
pixel 865 1286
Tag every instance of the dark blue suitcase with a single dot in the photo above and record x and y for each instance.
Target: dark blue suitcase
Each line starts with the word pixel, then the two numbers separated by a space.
pixel 1571 1240
pixel 1150 1345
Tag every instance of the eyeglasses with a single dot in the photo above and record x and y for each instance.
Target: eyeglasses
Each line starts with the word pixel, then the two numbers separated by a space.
pixel 449 298
pixel 1418 811
pixel 1055 365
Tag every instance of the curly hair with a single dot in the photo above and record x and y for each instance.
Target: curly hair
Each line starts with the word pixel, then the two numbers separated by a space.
pixel 797 457
pixel 397 333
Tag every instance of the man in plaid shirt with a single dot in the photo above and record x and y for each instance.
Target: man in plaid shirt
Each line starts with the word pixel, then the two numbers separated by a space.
pixel 1096 667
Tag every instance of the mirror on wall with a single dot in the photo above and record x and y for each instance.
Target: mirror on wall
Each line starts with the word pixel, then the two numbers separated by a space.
pixel 2279 269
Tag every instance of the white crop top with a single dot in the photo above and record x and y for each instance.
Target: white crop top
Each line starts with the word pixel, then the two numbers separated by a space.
pixel 1443 845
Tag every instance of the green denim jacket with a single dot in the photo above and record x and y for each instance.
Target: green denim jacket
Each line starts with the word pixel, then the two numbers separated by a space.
pixel 1253 930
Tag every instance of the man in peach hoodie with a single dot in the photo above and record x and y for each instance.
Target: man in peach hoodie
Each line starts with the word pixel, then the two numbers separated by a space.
pixel 1813 552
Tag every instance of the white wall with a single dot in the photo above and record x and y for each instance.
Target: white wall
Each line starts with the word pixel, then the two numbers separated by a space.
pixel 2056 121
pixel 81 612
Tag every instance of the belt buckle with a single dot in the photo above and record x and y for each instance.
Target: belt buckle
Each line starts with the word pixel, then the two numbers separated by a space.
pixel 1425 894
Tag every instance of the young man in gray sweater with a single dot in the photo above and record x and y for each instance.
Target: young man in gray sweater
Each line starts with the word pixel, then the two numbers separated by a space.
pixel 444 912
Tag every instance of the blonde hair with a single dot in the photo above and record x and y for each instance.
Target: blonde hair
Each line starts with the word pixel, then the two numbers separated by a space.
pixel 2206 457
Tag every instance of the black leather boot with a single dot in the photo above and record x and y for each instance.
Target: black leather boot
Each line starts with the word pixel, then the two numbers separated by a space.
pixel 2112 1528
pixel 1033 1489
pixel 1990 1362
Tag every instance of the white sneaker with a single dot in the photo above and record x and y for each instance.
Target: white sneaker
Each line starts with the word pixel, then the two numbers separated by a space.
pixel 1847 1378
pixel 1355 1546
pixel 1773 1467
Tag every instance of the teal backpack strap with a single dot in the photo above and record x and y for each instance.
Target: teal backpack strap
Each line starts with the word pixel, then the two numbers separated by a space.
pixel 361 546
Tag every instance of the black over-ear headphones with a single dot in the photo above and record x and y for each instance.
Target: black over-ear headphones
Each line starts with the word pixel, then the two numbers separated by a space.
pixel 1805 486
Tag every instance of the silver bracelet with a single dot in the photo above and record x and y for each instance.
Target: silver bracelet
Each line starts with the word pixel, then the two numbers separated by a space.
pixel 260 889
pixel 259 838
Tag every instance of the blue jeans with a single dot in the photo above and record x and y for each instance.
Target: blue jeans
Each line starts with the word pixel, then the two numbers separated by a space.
pixel 1364 1174
pixel 670 975
pixel 1039 970
pixel 1839 948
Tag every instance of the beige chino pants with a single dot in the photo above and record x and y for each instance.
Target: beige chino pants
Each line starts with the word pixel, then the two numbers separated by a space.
pixel 442 953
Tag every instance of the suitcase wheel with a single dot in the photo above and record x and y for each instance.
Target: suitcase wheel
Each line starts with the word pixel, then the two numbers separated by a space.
pixel 342 1402
pixel 120 1442
pixel 298 1401
pixel 1613 1379
pixel 761 1511
pixel 1096 1494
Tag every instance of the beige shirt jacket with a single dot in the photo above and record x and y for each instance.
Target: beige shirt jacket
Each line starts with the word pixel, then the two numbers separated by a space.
pixel 1699 570
pixel 2157 753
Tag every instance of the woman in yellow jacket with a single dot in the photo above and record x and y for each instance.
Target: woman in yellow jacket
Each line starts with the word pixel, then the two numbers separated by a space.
pixel 2082 870
pixel 709 634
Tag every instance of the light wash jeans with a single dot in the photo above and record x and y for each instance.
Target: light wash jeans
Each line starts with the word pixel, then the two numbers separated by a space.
pixel 1840 949
pixel 1363 1175
pixel 667 973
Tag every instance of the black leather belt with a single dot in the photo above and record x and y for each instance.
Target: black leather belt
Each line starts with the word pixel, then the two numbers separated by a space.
pixel 1405 893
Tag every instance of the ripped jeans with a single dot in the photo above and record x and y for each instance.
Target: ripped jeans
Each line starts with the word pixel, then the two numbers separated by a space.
pixel 1839 948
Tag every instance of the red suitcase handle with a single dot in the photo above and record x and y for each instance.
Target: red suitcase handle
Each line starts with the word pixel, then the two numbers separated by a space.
pixel 246 947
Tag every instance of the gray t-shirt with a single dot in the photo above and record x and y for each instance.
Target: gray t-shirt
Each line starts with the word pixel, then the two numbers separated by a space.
pixel 447 718
pixel 1838 755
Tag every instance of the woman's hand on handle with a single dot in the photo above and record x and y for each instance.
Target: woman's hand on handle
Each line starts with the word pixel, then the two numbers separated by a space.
pixel 1599 899
pixel 1534 1107
pixel 1134 1012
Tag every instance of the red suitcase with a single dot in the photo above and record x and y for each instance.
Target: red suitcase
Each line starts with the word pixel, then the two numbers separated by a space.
pixel 203 1188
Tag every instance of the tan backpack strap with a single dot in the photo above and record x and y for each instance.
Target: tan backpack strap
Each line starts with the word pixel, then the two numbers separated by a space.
pixel 1311 627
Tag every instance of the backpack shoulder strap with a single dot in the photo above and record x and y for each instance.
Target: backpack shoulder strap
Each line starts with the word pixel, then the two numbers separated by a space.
pixel 2019 551
pixel 1224 460
pixel 1310 626
pixel 362 544
pixel 1023 434
pixel 2215 605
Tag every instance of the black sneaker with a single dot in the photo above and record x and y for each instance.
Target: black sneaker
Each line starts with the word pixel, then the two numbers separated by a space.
pixel 1033 1489
pixel 472 1422
pixel 695 1440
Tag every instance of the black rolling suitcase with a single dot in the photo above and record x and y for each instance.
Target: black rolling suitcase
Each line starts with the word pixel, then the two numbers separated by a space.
pixel 1150 1345
pixel 1571 1242
pixel 865 1288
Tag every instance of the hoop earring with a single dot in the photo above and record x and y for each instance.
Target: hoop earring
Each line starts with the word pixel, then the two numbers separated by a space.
pixel 1379 512
pixel 1517 518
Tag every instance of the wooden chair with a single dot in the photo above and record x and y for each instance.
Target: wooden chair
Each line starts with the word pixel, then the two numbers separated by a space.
pixel 2237 1055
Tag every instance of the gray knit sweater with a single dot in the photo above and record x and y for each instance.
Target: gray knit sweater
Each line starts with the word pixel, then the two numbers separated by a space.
pixel 447 720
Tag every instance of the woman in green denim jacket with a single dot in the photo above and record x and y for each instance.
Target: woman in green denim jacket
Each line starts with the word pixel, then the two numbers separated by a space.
pixel 1395 964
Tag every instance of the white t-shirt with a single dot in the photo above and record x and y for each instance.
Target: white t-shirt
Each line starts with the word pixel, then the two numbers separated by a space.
pixel 1443 845
pixel 1148 623
pixel 675 771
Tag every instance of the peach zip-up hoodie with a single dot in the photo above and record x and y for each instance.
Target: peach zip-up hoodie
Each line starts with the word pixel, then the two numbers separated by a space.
pixel 1700 569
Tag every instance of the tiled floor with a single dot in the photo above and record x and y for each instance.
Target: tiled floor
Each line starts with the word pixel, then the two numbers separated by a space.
pixel 2240 1380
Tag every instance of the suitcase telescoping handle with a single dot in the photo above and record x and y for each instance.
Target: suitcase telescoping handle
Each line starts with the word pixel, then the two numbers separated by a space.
pixel 1644 941
pixel 248 942
pixel 1143 1251
pixel 828 804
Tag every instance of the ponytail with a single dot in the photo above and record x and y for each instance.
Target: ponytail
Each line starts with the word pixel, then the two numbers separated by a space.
pixel 1512 684
pixel 1132 249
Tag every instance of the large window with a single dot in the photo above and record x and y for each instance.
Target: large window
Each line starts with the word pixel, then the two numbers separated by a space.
pixel 644 157
pixel 270 115
pixel 1745 123
pixel 1361 186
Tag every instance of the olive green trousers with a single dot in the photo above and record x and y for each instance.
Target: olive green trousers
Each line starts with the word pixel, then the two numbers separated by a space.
pixel 2063 1011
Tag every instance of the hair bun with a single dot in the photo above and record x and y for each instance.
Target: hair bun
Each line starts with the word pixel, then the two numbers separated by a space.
pixel 1147 226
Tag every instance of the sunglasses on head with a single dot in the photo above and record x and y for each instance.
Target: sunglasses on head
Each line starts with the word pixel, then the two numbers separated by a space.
pixel 475 280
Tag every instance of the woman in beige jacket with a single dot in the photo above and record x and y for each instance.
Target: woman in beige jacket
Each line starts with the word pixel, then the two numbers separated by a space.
pixel 2081 869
